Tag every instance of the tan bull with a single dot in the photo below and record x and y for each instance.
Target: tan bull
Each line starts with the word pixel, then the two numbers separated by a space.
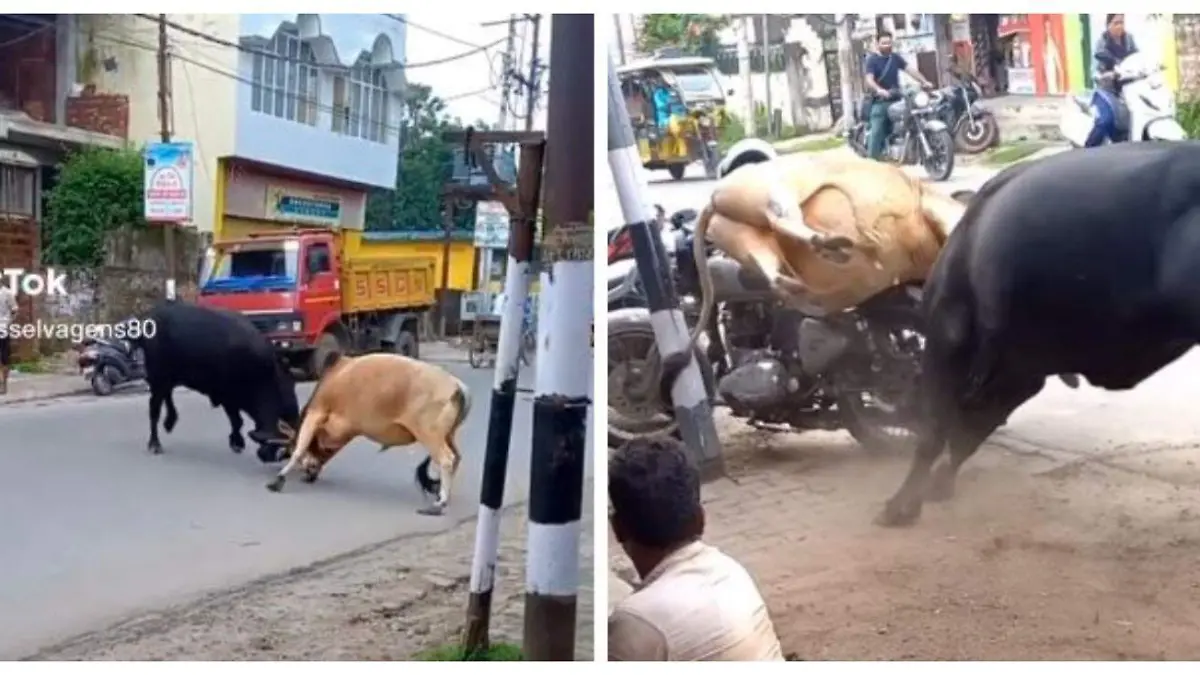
pixel 390 399
pixel 828 233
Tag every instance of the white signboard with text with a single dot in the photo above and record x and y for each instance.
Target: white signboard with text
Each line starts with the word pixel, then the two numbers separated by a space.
pixel 167 193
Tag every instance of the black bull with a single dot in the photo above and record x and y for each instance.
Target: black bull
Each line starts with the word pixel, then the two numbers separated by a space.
pixel 1086 262
pixel 222 355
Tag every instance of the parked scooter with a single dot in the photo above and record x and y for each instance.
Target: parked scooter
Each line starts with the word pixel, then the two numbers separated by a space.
pixel 1146 111
pixel 108 364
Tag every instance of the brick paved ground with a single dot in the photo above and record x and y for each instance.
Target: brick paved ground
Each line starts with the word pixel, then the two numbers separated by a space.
pixel 387 603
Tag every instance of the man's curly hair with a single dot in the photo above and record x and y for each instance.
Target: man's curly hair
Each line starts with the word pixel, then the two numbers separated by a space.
pixel 654 490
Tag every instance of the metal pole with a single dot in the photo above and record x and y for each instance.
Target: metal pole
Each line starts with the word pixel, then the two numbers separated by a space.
pixel 164 119
pixel 688 397
pixel 744 65
pixel 504 398
pixel 766 52
pixel 563 383
pixel 620 33
pixel 449 210
pixel 506 74
pixel 535 82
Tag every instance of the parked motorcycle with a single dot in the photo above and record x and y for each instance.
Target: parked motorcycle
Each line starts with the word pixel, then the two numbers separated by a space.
pixel 624 285
pixel 1146 111
pixel 108 364
pixel 974 127
pixel 917 136
pixel 774 365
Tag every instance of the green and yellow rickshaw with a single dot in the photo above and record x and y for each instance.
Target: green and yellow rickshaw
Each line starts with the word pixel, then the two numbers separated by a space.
pixel 677 108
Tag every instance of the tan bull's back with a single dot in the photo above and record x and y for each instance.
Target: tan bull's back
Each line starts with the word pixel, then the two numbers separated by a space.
pixel 375 391
pixel 879 207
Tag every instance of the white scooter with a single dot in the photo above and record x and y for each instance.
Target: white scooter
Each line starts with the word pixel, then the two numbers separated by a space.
pixel 1147 99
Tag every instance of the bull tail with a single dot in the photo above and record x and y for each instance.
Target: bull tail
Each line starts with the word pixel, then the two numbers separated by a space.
pixel 462 404
pixel 674 364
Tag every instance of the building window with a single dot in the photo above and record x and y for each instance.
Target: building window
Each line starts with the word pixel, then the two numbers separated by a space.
pixel 361 104
pixel 286 85
pixel 18 191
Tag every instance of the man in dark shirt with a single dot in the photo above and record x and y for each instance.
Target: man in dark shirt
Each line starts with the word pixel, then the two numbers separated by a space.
pixel 883 84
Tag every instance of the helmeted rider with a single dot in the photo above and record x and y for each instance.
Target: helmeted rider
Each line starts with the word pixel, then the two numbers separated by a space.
pixel 1113 47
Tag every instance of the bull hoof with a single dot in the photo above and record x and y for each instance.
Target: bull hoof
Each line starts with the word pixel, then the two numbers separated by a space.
pixel 237 444
pixel 899 513
pixel 432 510
pixel 312 476
pixel 941 488
pixel 170 422
pixel 277 484
pixel 154 448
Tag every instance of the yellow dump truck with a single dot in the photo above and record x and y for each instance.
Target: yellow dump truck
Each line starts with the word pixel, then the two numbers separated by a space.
pixel 314 290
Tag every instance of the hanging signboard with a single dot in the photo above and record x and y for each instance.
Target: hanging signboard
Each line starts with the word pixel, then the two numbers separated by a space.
pixel 491 225
pixel 167 190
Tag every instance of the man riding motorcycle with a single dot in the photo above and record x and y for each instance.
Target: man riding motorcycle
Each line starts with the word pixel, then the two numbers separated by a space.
pixel 883 84
pixel 1113 47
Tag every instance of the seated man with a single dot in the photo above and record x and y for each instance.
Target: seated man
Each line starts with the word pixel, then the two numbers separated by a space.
pixel 694 603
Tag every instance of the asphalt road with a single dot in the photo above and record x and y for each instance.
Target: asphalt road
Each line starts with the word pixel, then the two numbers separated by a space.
pixel 94 530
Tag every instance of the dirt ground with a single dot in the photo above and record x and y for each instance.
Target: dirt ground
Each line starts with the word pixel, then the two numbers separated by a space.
pixel 1045 554
pixel 387 603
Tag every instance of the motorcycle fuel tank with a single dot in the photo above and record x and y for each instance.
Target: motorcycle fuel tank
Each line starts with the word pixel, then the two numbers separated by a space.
pixel 734 283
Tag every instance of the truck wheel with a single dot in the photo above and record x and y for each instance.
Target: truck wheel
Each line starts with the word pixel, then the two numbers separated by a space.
pixel 407 344
pixel 326 345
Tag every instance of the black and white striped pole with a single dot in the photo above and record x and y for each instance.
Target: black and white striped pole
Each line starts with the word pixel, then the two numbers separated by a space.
pixel 563 379
pixel 504 399
pixel 688 398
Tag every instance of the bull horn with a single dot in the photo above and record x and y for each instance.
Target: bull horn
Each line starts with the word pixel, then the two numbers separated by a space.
pixel 963 196
pixel 287 430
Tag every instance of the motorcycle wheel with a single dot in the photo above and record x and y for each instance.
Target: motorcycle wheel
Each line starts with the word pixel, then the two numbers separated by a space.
pixel 884 424
pixel 975 137
pixel 631 358
pixel 940 164
pixel 103 381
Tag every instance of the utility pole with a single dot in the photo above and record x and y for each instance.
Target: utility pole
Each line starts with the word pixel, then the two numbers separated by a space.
pixel 744 65
pixel 766 52
pixel 845 50
pixel 164 118
pixel 534 83
pixel 620 37
pixel 689 400
pixel 506 77
pixel 562 390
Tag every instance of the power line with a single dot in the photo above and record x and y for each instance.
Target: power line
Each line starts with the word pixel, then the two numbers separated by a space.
pixel 279 57
pixel 404 20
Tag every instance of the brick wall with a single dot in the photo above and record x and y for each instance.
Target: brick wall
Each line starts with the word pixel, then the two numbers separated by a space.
pixel 27 71
pixel 101 113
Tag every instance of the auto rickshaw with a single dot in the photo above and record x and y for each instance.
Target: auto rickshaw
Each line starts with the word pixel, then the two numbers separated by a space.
pixel 677 109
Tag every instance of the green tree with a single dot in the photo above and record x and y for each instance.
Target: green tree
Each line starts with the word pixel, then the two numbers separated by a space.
pixel 98 191
pixel 693 33
pixel 423 163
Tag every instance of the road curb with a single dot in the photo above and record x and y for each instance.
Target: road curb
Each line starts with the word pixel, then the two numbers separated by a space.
pixel 46 396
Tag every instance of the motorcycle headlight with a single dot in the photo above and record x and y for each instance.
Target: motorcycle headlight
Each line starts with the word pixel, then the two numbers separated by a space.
pixel 920 99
